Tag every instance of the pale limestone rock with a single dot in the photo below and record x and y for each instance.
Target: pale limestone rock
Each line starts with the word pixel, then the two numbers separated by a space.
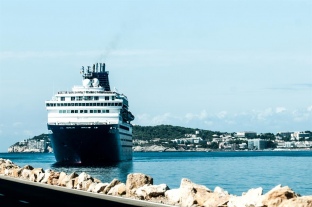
pixel 83 177
pixel 100 187
pixel 149 191
pixel 84 185
pixel 220 191
pixel 64 179
pixel 62 176
pixel 111 185
pixel 117 190
pixel 189 190
pixel 26 173
pixel 277 195
pixel 40 178
pixel 214 199
pixel 17 172
pixel 46 176
pixel 91 187
pixel 53 178
pixel 28 167
pixel 252 198
pixel 71 183
pixel 304 201
pixel 136 180
pixel 173 196
pixel 35 173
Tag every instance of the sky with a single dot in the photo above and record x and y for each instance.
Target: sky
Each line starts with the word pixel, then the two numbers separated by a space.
pixel 220 65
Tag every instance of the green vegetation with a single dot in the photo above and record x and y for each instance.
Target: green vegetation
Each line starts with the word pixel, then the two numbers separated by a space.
pixel 168 132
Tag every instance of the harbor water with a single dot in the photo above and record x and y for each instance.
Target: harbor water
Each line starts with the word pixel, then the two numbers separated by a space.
pixel 235 172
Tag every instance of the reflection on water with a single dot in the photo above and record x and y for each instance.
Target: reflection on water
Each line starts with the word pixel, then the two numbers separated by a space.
pixel 104 172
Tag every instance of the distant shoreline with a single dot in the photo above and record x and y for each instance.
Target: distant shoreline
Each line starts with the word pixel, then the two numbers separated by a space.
pixel 208 150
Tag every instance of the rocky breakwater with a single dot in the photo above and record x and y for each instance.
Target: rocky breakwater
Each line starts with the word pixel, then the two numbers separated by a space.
pixel 140 186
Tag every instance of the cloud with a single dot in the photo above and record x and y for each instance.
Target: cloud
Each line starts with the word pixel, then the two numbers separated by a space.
pixel 200 116
pixel 221 114
pixel 280 109
pixel 17 124
pixel 261 120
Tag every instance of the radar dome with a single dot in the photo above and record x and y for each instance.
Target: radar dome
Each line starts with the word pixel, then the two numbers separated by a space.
pixel 95 82
pixel 86 82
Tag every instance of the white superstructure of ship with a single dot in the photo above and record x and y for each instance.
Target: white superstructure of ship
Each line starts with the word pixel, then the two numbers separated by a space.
pixel 90 123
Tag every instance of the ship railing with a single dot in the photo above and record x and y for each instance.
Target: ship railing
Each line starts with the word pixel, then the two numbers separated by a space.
pixel 81 123
pixel 82 92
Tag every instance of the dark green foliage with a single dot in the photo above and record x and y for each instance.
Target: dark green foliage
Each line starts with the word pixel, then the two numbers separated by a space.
pixel 167 132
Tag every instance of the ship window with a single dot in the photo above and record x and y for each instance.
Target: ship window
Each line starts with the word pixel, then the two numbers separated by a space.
pixel 72 111
pixel 102 104
pixel 68 111
pixel 99 111
pixel 72 104
pixel 116 104
pixel 64 111
pixel 105 104
pixel 113 97
pixel 91 111
pixel 58 104
pixel 47 104
pixel 120 104
pixel 72 98
pixel 76 111
pixel 65 104
pixel 95 111
pixel 79 98
pixel 106 97
pixel 62 98
pixel 83 104
pixel 107 111
pixel 81 111
pixel 87 104
pixel 94 104
pixel 85 111
pixel 96 98
pixel 98 104
pixel 60 111
pixel 109 104
pixel 89 97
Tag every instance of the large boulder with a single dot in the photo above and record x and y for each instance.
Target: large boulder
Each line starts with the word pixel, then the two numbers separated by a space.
pixel 191 193
pixel 99 187
pixel 117 190
pixel 277 195
pixel 53 178
pixel 84 180
pixel 136 180
pixel 252 198
pixel 35 174
pixel 173 196
pixel 149 191
pixel 304 201
pixel 113 183
pixel 67 180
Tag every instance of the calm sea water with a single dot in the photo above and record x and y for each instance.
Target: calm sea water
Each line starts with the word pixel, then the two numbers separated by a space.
pixel 235 172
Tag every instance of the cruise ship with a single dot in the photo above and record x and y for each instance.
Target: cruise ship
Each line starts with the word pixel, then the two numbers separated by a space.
pixel 90 123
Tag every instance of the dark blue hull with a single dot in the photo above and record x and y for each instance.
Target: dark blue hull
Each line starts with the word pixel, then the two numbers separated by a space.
pixel 84 144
